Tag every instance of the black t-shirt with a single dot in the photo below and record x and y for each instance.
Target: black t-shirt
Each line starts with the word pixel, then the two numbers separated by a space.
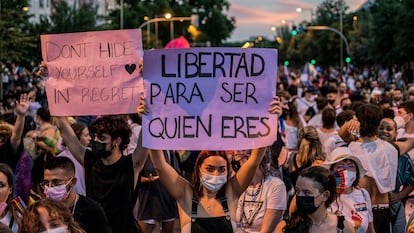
pixel 91 216
pixel 113 187
pixel 10 156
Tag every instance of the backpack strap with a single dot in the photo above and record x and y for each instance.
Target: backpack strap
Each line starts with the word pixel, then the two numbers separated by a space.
pixel 340 225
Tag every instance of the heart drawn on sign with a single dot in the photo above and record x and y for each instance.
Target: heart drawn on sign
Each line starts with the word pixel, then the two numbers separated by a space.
pixel 130 68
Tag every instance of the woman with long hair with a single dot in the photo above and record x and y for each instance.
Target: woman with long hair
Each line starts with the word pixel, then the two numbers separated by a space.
pixel 8 213
pixel 310 152
pixel 209 203
pixel 315 191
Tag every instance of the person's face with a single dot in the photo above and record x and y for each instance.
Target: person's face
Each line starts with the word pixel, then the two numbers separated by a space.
pixel 105 138
pixel 331 96
pixel 241 155
pixel 214 165
pixel 58 176
pixel 346 164
pixel 342 88
pixel 397 95
pixel 405 115
pixel 47 221
pixel 85 138
pixel 31 96
pixel 346 102
pixel 387 130
pixel 308 187
pixel 5 189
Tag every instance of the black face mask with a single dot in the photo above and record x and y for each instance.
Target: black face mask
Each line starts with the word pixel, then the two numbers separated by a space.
pixel 306 204
pixel 235 165
pixel 99 149
pixel 331 102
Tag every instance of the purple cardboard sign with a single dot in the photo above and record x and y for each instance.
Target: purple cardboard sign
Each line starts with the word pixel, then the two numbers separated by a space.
pixel 209 98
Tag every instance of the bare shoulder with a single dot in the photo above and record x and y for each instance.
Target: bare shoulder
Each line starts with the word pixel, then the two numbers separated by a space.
pixel 280 226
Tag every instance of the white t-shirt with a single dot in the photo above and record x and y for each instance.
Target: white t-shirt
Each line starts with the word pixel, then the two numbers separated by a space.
pixel 356 207
pixel 302 106
pixel 316 121
pixel 272 195
pixel 380 159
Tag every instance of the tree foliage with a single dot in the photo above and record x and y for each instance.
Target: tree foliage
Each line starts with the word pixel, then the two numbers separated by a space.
pixel 214 25
pixel 16 42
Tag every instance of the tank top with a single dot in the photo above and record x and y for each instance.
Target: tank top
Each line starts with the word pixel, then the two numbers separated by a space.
pixel 220 224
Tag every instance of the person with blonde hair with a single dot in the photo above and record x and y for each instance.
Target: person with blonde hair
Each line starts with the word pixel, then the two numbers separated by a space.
pixel 46 215
pixel 310 152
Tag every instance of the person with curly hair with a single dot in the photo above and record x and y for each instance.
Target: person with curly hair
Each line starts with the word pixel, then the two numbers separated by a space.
pixel 46 215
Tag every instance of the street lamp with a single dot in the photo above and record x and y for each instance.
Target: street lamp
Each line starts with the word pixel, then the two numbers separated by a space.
pixel 169 16
pixel 299 10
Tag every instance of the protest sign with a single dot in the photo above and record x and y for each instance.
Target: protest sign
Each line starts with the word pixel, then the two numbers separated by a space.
pixel 209 98
pixel 93 73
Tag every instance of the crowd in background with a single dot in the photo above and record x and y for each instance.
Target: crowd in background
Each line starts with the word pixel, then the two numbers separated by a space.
pixel 342 161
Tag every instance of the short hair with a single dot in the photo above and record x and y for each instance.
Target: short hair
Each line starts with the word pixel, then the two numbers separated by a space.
pixel 408 106
pixel 369 117
pixel 328 118
pixel 344 116
pixel 60 162
pixel 115 127
pixel 44 114
pixel 321 102
pixel 331 89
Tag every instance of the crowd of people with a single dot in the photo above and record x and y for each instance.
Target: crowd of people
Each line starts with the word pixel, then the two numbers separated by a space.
pixel 342 162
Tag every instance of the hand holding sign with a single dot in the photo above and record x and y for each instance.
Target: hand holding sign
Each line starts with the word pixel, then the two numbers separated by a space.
pixel 210 98
pixel 93 73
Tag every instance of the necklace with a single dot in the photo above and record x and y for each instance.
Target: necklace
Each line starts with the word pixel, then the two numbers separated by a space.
pixel 323 220
pixel 74 204
pixel 254 191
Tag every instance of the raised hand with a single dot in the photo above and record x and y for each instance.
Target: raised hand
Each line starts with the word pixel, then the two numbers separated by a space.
pixel 23 105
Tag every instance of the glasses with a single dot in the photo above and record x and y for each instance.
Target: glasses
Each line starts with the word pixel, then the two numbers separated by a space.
pixel 50 184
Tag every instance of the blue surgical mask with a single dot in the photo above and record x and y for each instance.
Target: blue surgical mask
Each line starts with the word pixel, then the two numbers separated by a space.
pixel 213 183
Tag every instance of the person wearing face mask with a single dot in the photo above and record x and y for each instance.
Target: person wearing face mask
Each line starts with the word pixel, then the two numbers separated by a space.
pixel 49 216
pixel 352 202
pixel 315 191
pixel 58 184
pixel 110 176
pixel 306 105
pixel 209 203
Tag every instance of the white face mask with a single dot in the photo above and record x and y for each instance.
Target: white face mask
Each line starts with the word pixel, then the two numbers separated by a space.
pixel 62 229
pixel 350 177
pixel 213 183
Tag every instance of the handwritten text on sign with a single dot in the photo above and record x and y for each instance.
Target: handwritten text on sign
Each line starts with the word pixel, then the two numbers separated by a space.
pixel 93 73
pixel 209 98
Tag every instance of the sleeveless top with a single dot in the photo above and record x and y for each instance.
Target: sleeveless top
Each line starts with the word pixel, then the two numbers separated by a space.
pixel 220 224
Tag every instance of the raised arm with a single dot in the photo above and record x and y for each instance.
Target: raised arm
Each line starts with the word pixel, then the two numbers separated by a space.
pixel 21 111
pixel 173 182
pixel 244 176
pixel 70 139
pixel 139 156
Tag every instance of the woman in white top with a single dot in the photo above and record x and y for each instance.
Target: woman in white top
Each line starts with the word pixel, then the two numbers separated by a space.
pixel 353 202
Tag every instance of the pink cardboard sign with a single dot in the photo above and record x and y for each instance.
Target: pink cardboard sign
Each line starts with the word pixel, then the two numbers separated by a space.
pixel 93 73
pixel 209 98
